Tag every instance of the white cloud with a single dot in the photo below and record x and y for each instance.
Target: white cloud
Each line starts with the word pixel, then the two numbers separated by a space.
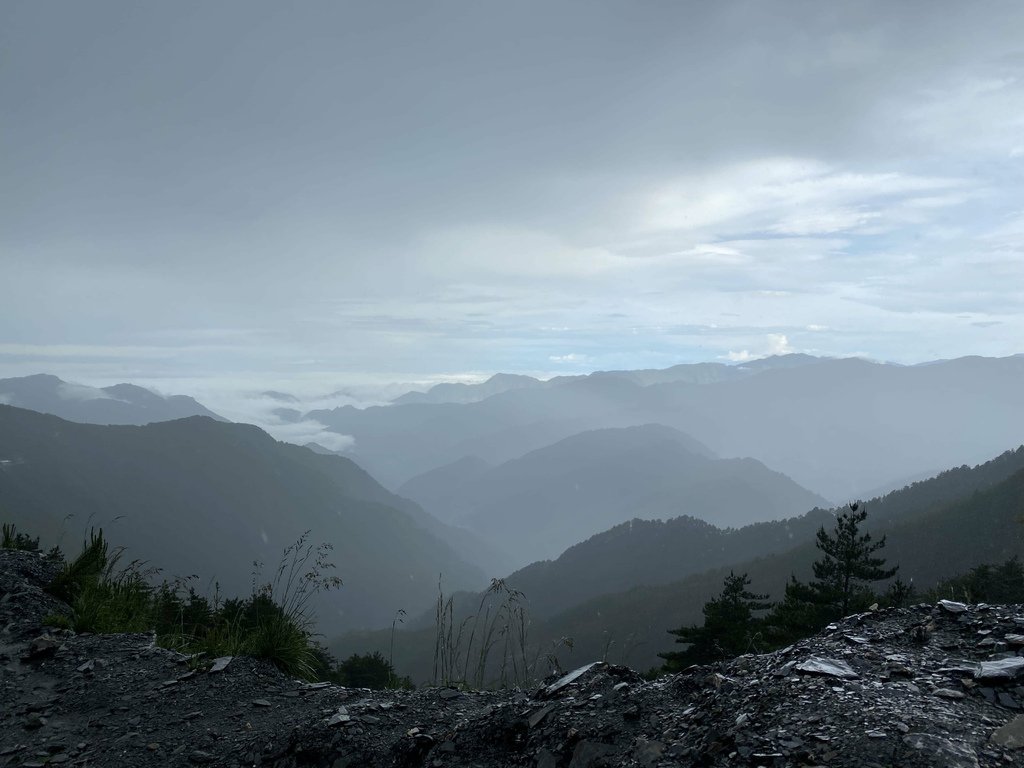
pixel 775 344
pixel 968 112
pixel 310 431
pixel 69 391
pixel 788 196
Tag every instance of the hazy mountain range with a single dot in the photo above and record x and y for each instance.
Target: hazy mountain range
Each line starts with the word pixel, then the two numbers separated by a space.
pixel 544 502
pixel 603 490
pixel 210 498
pixel 119 404
pixel 618 593
pixel 836 427
pixel 691 373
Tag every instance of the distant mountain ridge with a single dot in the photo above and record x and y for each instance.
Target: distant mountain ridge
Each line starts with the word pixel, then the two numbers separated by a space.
pixel 458 392
pixel 544 502
pixel 620 591
pixel 835 426
pixel 934 536
pixel 117 404
pixel 691 373
pixel 644 552
pixel 211 498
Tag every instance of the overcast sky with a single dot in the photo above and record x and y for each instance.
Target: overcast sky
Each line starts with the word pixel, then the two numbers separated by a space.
pixel 348 192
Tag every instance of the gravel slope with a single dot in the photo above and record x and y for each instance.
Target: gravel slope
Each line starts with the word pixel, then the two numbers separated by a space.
pixel 929 686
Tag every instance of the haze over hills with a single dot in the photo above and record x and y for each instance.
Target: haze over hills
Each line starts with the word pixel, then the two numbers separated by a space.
pixel 458 392
pixel 620 591
pixel 117 404
pixel 937 540
pixel 692 373
pixel 645 552
pixel 836 426
pixel 542 503
pixel 209 498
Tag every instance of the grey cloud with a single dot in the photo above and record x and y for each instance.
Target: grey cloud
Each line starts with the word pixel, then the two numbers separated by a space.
pixel 360 191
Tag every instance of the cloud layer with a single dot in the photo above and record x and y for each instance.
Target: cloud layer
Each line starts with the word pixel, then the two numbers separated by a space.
pixel 355 193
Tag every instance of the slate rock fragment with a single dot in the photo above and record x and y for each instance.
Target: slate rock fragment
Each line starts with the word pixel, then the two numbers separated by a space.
pixel 816 665
pixel 1000 669
pixel 1010 735
pixel 941 752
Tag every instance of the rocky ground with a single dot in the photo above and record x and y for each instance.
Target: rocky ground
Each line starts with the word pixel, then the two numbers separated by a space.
pixel 929 686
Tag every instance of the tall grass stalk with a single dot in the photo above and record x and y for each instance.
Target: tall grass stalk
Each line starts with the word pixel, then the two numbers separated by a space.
pixel 501 621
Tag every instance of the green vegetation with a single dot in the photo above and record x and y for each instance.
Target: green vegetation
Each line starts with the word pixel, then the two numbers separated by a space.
pixel 273 623
pixel 843 576
pixel 14 540
pixel 210 490
pixel 371 670
pixel 842 580
pixel 730 627
pixel 1003 583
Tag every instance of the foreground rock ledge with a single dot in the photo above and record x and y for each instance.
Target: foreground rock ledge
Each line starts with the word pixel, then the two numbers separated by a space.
pixel 913 687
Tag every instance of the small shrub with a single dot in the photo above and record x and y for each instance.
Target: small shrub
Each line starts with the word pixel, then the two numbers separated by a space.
pixel 84 570
pixel 119 603
pixel 57 620
pixel 11 539
pixel 281 641
pixel 274 622
pixel 369 671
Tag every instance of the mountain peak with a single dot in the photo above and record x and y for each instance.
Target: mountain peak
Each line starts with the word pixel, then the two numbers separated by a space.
pixel 116 404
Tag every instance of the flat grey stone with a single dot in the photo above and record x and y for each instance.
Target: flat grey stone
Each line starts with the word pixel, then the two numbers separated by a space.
pixel 220 664
pixel 1000 669
pixel 819 665
pixel 570 678
pixel 942 753
pixel 1010 735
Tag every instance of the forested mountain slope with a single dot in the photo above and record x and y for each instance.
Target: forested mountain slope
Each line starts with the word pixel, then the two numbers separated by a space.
pixel 593 594
pixel 834 426
pixel 546 501
pixel 209 498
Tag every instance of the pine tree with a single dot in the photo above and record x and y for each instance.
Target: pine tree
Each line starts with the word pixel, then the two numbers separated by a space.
pixel 842 579
pixel 729 630
pixel 849 564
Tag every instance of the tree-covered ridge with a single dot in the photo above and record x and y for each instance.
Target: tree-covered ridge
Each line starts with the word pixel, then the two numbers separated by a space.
pixel 201 496
pixel 845 575
pixel 931 536
pixel 930 546
pixel 653 552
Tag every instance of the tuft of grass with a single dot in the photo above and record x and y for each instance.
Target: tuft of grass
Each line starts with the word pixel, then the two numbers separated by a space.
pixel 500 625
pixel 121 602
pixel 11 539
pixel 57 620
pixel 279 639
pixel 85 570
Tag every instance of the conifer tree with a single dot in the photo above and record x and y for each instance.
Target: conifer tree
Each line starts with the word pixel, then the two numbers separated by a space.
pixel 843 576
pixel 730 627
pixel 842 579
